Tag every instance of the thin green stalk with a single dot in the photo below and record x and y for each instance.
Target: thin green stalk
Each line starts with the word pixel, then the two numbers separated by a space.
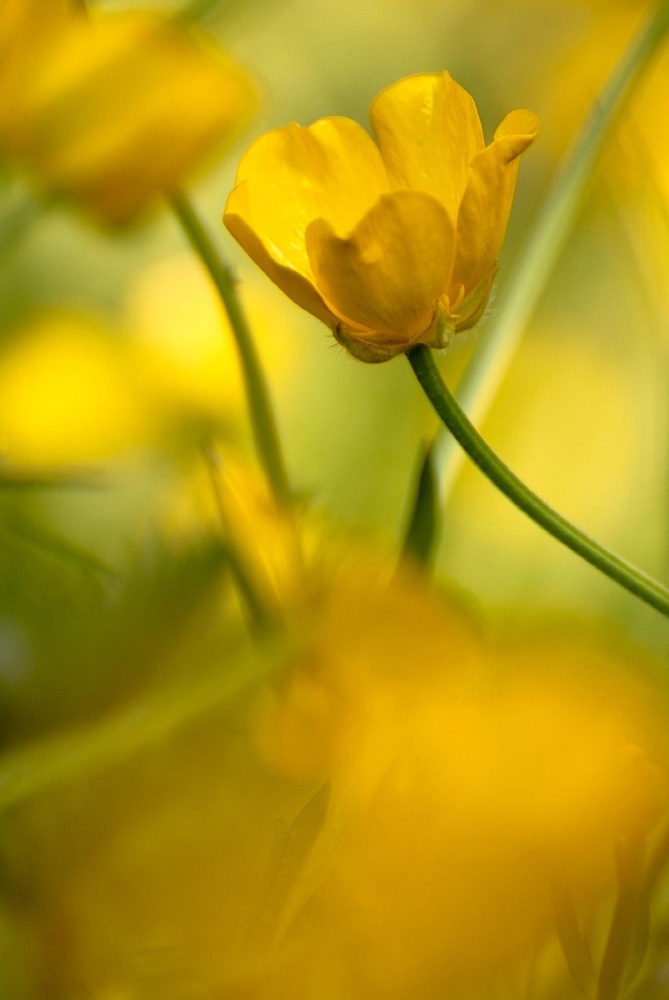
pixel 423 527
pixel 544 245
pixel 197 10
pixel 450 412
pixel 46 539
pixel 55 761
pixel 260 408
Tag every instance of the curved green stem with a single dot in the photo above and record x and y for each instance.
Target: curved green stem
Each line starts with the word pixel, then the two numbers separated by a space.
pixel 464 432
pixel 545 243
pixel 262 416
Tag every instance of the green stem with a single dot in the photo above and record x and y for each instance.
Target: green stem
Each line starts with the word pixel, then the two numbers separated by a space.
pixel 464 432
pixel 260 408
pixel 196 10
pixel 55 761
pixel 423 527
pixel 545 243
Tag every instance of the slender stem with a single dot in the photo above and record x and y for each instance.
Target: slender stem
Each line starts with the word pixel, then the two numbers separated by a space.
pixel 197 10
pixel 59 760
pixel 450 412
pixel 260 408
pixel 422 530
pixel 545 244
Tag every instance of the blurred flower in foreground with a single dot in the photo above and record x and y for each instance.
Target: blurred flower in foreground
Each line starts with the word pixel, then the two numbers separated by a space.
pixel 468 775
pixel 175 317
pixel 120 108
pixel 69 392
pixel 432 785
pixel 390 244
pixel 467 779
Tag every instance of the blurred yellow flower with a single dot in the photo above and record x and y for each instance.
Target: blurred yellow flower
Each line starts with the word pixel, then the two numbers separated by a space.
pixel 468 777
pixel 69 392
pixel 391 244
pixel 176 319
pixel 121 108
pixel 267 540
pixel 455 780
pixel 27 29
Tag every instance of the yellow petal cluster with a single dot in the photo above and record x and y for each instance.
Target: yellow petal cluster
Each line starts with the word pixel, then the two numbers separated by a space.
pixel 391 243
pixel 113 109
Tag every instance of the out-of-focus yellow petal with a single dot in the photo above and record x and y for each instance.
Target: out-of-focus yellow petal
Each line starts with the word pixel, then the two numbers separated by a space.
pixel 69 392
pixel 124 106
pixel 198 374
pixel 466 780
pixel 450 867
pixel 386 278
pixel 292 176
pixel 486 205
pixel 27 29
pixel 429 132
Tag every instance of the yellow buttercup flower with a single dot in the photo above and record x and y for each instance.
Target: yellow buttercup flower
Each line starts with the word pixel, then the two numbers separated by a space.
pixel 120 108
pixel 391 243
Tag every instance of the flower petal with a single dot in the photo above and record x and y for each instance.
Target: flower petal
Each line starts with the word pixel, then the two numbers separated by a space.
pixel 28 29
pixel 486 205
pixel 289 277
pixel 291 176
pixel 428 131
pixel 386 278
pixel 125 107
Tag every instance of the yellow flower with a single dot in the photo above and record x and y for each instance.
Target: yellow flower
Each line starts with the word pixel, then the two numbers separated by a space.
pixel 390 244
pixel 199 376
pixel 70 392
pixel 27 29
pixel 120 108
pixel 468 778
